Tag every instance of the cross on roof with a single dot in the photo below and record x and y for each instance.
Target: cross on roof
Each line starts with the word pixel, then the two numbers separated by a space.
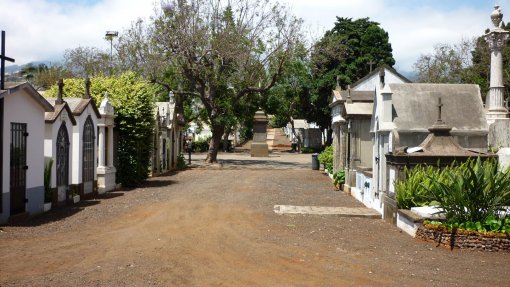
pixel 371 63
pixel 3 58
pixel 439 106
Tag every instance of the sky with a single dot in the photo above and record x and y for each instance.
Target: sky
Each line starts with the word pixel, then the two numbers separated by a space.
pixel 41 30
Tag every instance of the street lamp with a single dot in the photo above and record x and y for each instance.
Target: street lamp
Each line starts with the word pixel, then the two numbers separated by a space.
pixel 109 36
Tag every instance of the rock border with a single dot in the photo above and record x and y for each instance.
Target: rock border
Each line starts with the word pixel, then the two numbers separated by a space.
pixel 464 241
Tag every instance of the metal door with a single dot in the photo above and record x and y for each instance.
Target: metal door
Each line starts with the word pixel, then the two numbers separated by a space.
pixel 18 167
pixel 88 156
pixel 62 168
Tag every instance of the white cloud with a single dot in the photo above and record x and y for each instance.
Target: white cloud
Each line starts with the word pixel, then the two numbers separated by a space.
pixel 43 29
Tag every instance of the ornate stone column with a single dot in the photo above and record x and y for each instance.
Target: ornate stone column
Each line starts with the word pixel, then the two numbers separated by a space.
pixel 101 146
pixel 109 147
pixel 496 39
pixel 106 172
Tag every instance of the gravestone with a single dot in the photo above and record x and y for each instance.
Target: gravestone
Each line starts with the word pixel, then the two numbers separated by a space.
pixel 259 146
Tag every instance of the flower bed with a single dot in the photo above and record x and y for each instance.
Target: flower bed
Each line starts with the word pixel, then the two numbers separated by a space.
pixel 486 241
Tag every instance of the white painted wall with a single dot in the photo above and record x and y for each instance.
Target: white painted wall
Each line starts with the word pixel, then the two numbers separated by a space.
pixel 372 82
pixel 21 108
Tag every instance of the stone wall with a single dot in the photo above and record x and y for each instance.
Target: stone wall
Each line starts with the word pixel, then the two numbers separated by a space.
pixel 499 133
pixel 465 241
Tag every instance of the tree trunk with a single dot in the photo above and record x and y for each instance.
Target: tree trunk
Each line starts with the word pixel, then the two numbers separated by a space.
pixel 225 139
pixel 214 144
pixel 295 135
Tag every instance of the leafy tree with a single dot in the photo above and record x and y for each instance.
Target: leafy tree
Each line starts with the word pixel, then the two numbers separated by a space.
pixel 223 54
pixel 479 71
pixel 42 76
pixel 290 98
pixel 446 64
pixel 346 53
pixel 133 101
pixel 87 62
pixel 29 71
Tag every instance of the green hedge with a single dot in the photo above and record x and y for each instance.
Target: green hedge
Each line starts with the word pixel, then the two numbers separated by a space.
pixel 133 101
pixel 326 158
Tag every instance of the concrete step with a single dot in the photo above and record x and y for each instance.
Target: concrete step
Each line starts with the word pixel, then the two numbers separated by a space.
pixel 327 210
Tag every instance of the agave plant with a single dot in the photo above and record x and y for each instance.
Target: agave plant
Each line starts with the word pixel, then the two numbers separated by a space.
pixel 473 191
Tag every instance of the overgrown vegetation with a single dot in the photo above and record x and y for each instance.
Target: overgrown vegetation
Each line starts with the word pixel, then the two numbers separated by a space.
pixel 339 178
pixel 181 162
pixel 492 224
pixel 133 101
pixel 413 190
pixel 326 158
pixel 473 193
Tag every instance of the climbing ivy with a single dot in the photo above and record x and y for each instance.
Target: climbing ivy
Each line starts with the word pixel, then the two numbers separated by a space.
pixel 133 101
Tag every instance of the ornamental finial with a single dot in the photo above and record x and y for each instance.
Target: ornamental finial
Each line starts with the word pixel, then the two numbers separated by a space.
pixel 496 16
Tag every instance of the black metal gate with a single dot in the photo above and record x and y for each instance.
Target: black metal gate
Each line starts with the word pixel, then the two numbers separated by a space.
pixel 1 152
pixel 62 157
pixel 88 154
pixel 18 167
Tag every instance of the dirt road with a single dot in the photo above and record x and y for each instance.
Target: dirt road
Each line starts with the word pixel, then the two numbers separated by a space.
pixel 216 227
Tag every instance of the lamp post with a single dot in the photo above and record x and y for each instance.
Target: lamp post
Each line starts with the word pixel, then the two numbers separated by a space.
pixel 109 36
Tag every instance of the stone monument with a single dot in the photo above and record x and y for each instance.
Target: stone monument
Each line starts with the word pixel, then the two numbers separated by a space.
pixel 496 39
pixel 106 171
pixel 259 146
pixel 497 111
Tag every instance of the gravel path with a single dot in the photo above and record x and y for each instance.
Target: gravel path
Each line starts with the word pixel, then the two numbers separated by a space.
pixel 215 226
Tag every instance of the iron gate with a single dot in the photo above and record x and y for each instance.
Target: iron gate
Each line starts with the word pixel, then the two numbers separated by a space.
pixel 18 167
pixel 62 157
pixel 88 155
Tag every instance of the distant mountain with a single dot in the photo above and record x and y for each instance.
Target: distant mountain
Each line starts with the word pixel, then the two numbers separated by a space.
pixel 16 68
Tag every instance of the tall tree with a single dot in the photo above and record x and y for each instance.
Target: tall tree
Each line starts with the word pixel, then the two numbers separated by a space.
pixel 347 53
pixel 226 53
pixel 290 98
pixel 87 62
pixel 446 64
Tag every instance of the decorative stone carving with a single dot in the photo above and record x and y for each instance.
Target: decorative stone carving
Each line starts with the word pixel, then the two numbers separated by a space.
pixel 496 40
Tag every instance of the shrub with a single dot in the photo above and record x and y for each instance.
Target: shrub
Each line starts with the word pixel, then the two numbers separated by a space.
pixel 133 101
pixel 339 178
pixel 326 158
pixel 181 162
pixel 308 150
pixel 413 190
pixel 473 191
pixel 201 145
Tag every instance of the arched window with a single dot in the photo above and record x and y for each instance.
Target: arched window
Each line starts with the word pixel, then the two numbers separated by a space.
pixel 88 150
pixel 62 167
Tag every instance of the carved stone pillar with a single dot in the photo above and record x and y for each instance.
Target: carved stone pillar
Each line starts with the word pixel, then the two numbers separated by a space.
pixel 496 39
pixel 101 146
pixel 105 170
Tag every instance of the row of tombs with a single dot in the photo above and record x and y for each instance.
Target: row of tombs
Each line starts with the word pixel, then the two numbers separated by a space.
pixel 402 124
pixel 384 123
pixel 50 151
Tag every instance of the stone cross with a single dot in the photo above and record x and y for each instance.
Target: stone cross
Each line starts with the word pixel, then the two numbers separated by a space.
pixel 439 106
pixel 87 89
pixel 371 63
pixel 60 95
pixel 3 58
